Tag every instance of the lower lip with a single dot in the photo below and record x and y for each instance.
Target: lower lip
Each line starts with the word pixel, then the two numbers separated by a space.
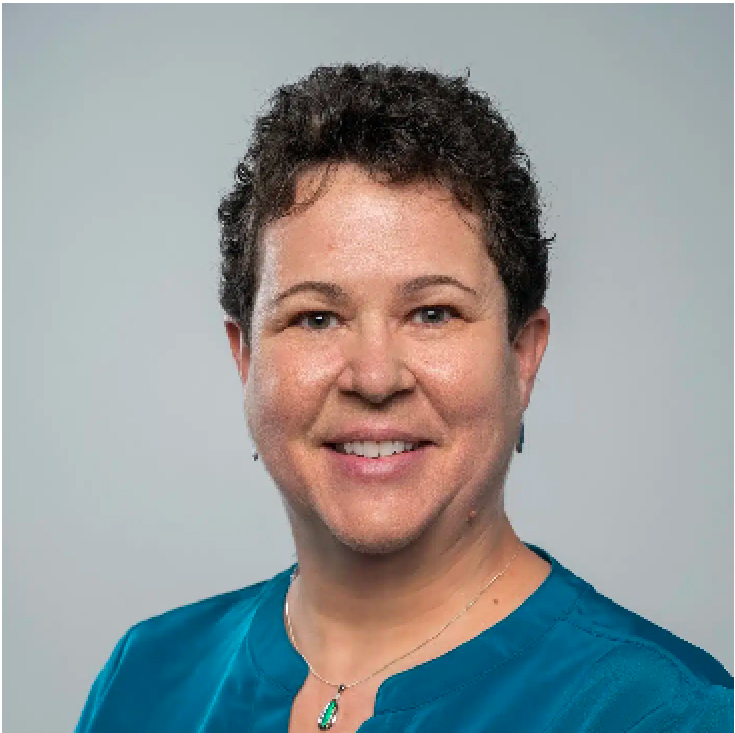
pixel 385 467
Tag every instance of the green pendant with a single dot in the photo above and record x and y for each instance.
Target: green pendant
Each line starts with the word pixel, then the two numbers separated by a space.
pixel 329 715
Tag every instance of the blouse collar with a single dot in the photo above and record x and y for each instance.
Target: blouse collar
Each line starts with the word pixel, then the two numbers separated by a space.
pixel 276 659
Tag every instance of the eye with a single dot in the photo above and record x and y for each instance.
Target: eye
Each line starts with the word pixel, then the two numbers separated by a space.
pixel 434 314
pixel 314 320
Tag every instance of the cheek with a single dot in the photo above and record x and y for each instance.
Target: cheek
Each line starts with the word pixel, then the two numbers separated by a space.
pixel 469 379
pixel 286 387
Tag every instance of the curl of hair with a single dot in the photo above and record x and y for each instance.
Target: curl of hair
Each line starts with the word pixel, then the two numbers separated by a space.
pixel 404 125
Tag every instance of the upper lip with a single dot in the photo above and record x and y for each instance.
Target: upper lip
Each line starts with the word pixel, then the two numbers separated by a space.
pixel 377 434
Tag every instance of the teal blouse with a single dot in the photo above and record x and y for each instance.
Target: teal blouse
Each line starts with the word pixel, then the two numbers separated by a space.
pixel 567 660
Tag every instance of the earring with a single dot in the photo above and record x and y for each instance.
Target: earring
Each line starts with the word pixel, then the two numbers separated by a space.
pixel 255 455
pixel 519 444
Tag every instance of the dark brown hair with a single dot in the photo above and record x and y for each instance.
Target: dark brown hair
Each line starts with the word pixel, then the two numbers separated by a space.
pixel 405 125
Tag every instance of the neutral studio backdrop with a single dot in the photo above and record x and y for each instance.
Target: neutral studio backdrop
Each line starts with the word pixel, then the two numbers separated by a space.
pixel 128 483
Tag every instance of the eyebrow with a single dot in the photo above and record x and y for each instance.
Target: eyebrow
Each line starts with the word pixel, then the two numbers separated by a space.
pixel 335 293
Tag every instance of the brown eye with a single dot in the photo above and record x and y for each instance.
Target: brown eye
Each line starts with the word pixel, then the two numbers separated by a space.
pixel 436 315
pixel 314 320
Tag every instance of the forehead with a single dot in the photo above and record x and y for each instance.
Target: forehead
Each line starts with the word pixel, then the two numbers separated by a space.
pixel 348 224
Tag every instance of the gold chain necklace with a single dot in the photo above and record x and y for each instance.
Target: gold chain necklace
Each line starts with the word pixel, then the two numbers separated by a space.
pixel 328 716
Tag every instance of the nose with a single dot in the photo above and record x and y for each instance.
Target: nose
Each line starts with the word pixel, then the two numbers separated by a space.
pixel 374 364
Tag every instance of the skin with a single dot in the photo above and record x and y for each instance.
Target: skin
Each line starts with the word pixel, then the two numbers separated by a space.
pixel 385 563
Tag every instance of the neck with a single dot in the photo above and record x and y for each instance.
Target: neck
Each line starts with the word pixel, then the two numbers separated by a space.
pixel 351 611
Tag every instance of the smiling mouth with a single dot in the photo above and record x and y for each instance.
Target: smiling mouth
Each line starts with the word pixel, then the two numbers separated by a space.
pixel 374 450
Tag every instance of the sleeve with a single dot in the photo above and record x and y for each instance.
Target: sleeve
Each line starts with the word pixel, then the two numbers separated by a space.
pixel 101 686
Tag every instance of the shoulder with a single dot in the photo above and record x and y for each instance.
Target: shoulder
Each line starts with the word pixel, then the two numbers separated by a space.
pixel 214 614
pixel 643 643
pixel 198 635
pixel 640 676
pixel 638 687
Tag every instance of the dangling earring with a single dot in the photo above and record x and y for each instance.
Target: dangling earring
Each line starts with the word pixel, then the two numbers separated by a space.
pixel 255 455
pixel 519 444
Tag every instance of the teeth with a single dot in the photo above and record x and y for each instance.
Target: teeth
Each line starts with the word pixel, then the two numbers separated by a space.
pixel 371 449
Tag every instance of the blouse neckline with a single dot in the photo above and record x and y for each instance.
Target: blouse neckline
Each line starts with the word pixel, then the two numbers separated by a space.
pixel 277 661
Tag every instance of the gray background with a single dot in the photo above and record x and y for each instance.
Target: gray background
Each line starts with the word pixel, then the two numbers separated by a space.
pixel 129 487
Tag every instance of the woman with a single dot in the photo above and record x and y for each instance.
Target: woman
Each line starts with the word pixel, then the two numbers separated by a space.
pixel 383 276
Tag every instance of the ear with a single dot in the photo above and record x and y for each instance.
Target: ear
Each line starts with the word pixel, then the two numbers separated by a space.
pixel 238 347
pixel 529 347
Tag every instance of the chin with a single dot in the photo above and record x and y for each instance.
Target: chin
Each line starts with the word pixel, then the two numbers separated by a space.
pixel 375 537
pixel 374 545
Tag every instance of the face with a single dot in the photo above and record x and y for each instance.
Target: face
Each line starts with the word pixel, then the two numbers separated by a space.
pixel 379 315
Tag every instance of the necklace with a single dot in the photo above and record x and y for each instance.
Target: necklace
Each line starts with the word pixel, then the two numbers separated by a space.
pixel 328 716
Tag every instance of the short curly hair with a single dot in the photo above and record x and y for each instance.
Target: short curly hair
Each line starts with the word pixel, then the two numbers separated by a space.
pixel 406 125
